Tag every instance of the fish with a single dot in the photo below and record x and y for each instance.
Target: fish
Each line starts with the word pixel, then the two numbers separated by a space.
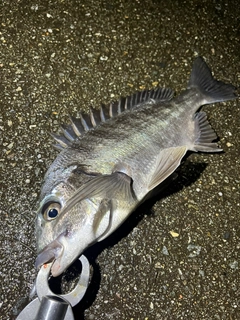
pixel 113 158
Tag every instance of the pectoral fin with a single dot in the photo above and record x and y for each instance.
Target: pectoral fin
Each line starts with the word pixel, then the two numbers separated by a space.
pixel 167 162
pixel 105 208
pixel 117 185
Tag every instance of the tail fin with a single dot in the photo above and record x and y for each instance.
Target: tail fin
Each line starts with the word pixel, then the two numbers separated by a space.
pixel 212 90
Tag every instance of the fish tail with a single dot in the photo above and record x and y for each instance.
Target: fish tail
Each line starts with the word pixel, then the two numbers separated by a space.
pixel 211 89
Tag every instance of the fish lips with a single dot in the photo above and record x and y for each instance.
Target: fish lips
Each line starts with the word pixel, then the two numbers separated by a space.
pixel 53 251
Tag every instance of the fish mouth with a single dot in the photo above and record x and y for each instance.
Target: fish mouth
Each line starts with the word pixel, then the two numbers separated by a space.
pixel 52 252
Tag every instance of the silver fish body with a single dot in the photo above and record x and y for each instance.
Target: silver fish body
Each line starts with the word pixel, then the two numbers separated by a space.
pixel 111 160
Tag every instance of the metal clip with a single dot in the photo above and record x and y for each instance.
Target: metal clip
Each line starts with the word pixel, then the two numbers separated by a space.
pixel 50 306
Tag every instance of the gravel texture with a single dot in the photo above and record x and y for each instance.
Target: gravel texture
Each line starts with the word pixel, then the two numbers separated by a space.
pixel 177 257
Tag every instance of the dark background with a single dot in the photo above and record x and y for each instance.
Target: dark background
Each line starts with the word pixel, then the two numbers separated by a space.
pixel 60 57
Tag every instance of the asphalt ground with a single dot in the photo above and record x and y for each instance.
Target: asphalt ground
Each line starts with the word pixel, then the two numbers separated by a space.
pixel 177 257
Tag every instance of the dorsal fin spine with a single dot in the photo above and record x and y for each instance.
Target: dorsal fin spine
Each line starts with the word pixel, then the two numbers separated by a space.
pixel 92 117
pixel 77 126
pixel 126 103
pixel 102 116
pixel 62 141
pixel 111 110
pixel 85 122
pixel 119 111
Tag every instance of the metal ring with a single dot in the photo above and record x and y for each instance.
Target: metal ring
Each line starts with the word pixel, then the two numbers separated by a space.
pixel 73 297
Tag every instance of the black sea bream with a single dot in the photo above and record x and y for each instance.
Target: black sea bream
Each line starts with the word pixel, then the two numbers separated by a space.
pixel 112 159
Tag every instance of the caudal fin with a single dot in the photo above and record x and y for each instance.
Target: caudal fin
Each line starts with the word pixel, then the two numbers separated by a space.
pixel 212 89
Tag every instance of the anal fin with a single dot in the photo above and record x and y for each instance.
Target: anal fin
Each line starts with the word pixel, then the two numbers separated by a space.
pixel 204 134
pixel 167 162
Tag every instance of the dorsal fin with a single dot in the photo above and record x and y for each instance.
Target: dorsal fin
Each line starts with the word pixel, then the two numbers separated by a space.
pixel 86 122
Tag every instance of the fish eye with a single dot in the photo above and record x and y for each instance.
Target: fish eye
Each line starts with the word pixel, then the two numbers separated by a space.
pixel 51 210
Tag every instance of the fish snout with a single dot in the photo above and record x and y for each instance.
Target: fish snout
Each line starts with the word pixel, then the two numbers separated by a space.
pixel 51 252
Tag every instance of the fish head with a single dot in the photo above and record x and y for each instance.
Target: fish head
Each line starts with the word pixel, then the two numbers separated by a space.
pixel 63 234
pixel 76 210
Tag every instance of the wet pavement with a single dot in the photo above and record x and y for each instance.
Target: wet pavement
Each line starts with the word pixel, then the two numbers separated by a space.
pixel 177 257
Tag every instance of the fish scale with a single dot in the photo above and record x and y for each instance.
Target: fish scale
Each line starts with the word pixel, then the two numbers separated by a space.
pixel 114 158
